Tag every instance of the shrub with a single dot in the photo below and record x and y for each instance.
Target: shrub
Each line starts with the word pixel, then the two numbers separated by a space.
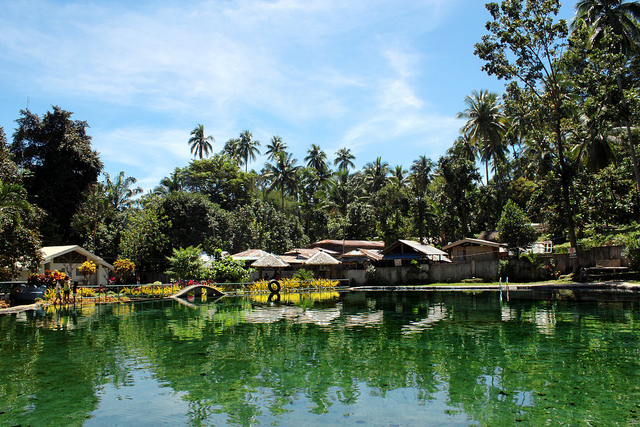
pixel 303 274
pixel 632 251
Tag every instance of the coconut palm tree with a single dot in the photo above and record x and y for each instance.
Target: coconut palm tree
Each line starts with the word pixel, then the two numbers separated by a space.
pixel 344 159
pixel 316 158
pixel 119 191
pixel 200 144
pixel 275 146
pixel 231 149
pixel 399 175
pixel 485 126
pixel 621 18
pixel 247 148
pixel 421 174
pixel 375 175
pixel 283 175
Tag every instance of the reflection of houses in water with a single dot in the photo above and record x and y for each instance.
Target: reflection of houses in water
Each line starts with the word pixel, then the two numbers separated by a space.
pixel 322 317
pixel 436 313
pixel 368 320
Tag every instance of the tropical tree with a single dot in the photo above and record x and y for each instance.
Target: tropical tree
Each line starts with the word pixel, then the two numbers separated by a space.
pixel 619 17
pixel 344 159
pixel 231 149
pixel 420 178
pixel 316 158
pixel 62 166
pixel 275 146
pixel 247 148
pixel 485 127
pixel 119 191
pixel 399 175
pixel 375 175
pixel 515 228
pixel 200 144
pixel 524 45
pixel 283 175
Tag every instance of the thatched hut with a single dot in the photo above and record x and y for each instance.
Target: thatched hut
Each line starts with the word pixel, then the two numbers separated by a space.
pixel 322 263
pixel 269 262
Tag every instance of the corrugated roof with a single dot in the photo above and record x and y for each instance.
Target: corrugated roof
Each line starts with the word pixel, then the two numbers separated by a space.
pixel 50 252
pixel 428 251
pixel 249 254
pixel 472 242
pixel 369 244
pixel 270 261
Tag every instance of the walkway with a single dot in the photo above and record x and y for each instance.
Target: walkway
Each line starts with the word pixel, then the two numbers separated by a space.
pixel 197 291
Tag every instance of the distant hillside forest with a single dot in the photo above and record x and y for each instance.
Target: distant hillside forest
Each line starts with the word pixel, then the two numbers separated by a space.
pixel 558 146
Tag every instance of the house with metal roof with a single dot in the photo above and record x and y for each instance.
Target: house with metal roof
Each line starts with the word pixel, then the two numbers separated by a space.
pixel 475 250
pixel 402 252
pixel 67 259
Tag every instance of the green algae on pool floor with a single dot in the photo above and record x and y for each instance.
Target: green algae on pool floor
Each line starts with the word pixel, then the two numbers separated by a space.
pixel 365 358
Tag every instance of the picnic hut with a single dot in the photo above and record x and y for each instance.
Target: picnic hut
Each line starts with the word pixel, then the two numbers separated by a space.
pixel 323 264
pixel 269 262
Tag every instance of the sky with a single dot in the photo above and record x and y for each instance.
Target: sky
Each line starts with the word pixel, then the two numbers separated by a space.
pixel 380 77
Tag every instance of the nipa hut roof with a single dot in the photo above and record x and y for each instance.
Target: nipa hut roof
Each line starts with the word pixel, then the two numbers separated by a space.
pixel 321 258
pixel 269 261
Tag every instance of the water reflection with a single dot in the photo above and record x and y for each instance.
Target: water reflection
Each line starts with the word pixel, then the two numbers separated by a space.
pixel 336 358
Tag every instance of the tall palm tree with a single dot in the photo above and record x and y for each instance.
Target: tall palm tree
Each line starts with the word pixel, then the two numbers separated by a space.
pixel 119 191
pixel 485 126
pixel 463 147
pixel 621 18
pixel 375 175
pixel 275 146
pixel 345 189
pixel 200 144
pixel 399 175
pixel 231 149
pixel 421 174
pixel 283 175
pixel 344 159
pixel 247 148
pixel 316 158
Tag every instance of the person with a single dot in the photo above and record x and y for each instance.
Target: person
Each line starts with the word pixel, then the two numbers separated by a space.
pixel 13 294
pixel 75 291
pixel 67 290
pixel 58 293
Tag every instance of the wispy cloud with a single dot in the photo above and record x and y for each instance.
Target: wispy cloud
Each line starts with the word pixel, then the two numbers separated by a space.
pixel 287 64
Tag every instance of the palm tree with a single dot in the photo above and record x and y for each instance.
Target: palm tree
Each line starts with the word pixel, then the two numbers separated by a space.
pixel 247 148
pixel 399 175
pixel 421 174
pixel 275 146
pixel 283 175
pixel 621 18
pixel 169 184
pixel 344 159
pixel 13 199
pixel 345 189
pixel 485 127
pixel 231 149
pixel 375 175
pixel 199 143
pixel 317 158
pixel 463 147
pixel 119 191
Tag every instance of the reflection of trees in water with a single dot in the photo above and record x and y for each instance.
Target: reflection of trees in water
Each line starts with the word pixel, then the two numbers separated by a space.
pixel 240 362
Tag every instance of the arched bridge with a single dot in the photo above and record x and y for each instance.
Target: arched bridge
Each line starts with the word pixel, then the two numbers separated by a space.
pixel 197 291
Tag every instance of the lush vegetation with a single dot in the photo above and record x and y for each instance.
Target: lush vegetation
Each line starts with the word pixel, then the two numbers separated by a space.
pixel 557 147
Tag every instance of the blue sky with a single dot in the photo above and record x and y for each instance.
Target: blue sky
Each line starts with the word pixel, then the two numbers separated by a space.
pixel 381 77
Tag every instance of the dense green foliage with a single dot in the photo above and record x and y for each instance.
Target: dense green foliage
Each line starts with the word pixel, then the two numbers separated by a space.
pixel 558 148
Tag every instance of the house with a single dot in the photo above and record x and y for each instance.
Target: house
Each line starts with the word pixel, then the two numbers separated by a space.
pixel 402 252
pixel 475 249
pixel 67 259
pixel 249 256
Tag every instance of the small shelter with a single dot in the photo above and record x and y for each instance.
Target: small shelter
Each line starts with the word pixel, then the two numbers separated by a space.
pixel 403 252
pixel 67 259
pixel 249 256
pixel 322 263
pixel 475 250
pixel 269 262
